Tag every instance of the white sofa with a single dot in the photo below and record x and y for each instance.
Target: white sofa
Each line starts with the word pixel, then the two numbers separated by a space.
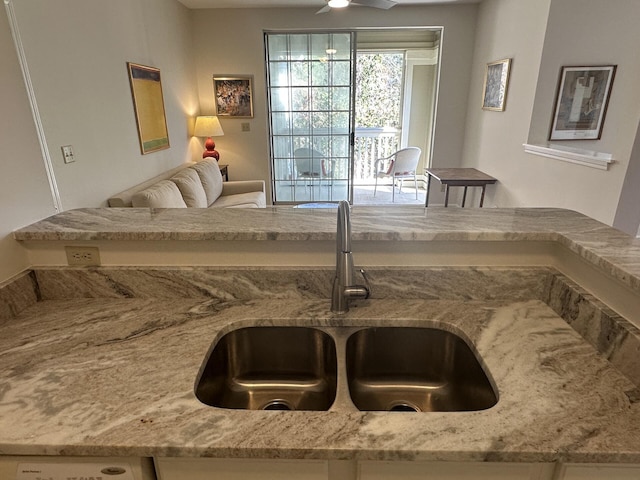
pixel 197 185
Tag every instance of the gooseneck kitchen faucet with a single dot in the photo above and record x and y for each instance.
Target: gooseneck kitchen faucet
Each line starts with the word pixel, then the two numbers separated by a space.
pixel 344 288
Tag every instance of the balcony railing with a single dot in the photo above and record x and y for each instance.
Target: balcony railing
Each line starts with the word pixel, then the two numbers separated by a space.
pixel 371 144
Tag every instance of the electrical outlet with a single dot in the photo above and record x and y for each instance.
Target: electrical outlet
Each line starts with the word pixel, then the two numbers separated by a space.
pixel 245 126
pixel 83 255
pixel 67 154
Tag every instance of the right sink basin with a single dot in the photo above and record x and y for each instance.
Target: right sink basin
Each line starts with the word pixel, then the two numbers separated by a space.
pixel 415 369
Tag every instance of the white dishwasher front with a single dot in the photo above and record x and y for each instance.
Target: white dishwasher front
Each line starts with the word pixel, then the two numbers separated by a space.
pixel 76 468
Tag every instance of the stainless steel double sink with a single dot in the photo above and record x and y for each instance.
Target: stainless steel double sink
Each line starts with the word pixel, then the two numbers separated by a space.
pixel 393 368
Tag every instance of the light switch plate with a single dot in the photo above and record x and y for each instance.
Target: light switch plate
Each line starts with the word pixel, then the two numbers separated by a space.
pixel 67 154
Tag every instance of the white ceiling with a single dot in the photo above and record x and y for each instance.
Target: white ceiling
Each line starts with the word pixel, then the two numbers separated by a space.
pixel 294 3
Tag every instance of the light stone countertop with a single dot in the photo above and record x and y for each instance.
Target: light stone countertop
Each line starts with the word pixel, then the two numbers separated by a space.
pixel 286 223
pixel 116 377
pixel 611 251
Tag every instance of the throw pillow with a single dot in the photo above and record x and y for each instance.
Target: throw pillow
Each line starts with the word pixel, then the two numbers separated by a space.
pixel 164 194
pixel 190 186
pixel 211 178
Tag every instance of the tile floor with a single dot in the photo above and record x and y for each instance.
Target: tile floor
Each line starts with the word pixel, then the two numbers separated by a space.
pixel 363 195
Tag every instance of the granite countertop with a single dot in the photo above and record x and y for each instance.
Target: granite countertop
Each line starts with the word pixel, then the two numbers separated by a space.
pixel 404 223
pixel 116 377
pixel 611 251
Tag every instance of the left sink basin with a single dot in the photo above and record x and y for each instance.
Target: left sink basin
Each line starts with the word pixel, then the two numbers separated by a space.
pixel 270 368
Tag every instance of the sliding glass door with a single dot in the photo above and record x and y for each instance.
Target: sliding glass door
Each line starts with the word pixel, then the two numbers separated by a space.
pixel 310 89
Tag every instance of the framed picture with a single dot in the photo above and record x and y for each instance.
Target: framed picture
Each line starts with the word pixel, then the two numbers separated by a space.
pixel 148 103
pixel 234 96
pixel 496 81
pixel 581 102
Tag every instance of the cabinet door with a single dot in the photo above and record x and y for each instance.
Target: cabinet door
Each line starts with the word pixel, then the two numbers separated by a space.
pixel 599 472
pixel 240 469
pixel 454 471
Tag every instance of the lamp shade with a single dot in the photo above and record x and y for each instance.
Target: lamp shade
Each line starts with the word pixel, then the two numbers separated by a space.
pixel 338 3
pixel 207 127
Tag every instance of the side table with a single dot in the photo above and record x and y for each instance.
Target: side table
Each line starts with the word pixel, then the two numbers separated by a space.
pixel 458 177
pixel 224 171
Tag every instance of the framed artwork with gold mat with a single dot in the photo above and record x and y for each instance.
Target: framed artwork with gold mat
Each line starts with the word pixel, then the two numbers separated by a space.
pixel 233 96
pixel 496 82
pixel 148 103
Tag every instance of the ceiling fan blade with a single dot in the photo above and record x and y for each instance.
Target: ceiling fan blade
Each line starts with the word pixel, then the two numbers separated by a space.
pixel 324 9
pixel 384 4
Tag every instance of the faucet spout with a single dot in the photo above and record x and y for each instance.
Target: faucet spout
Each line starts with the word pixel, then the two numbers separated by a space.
pixel 344 287
pixel 343 233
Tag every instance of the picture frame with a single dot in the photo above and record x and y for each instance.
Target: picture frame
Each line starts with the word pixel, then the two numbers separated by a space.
pixel 148 105
pixel 233 95
pixel 496 82
pixel 582 98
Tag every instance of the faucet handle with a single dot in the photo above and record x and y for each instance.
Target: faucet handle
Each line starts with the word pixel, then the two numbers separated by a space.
pixel 367 285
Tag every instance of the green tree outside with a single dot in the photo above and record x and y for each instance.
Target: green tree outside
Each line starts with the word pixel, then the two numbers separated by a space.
pixel 379 89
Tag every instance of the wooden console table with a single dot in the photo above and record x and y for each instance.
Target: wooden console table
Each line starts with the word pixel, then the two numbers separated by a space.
pixel 458 177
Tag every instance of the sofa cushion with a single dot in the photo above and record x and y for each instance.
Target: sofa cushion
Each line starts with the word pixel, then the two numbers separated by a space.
pixel 164 194
pixel 124 198
pixel 211 178
pixel 190 186
pixel 241 200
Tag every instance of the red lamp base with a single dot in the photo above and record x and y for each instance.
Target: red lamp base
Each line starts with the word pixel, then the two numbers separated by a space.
pixel 210 151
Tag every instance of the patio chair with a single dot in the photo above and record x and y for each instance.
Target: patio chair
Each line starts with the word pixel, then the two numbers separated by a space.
pixel 398 166
pixel 311 165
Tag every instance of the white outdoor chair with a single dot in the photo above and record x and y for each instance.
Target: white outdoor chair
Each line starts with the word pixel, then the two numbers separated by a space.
pixel 398 166
pixel 311 165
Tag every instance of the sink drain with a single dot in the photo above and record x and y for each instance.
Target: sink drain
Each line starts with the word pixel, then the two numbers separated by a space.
pixel 278 405
pixel 404 407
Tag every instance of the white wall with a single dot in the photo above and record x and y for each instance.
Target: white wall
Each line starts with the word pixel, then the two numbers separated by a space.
pixel 627 216
pixel 493 142
pixel 592 32
pixel 24 191
pixel 518 29
pixel 230 41
pixel 420 119
pixel 77 53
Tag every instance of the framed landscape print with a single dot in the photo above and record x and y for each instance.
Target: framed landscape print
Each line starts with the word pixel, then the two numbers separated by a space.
pixel 234 96
pixel 146 89
pixel 496 81
pixel 581 102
